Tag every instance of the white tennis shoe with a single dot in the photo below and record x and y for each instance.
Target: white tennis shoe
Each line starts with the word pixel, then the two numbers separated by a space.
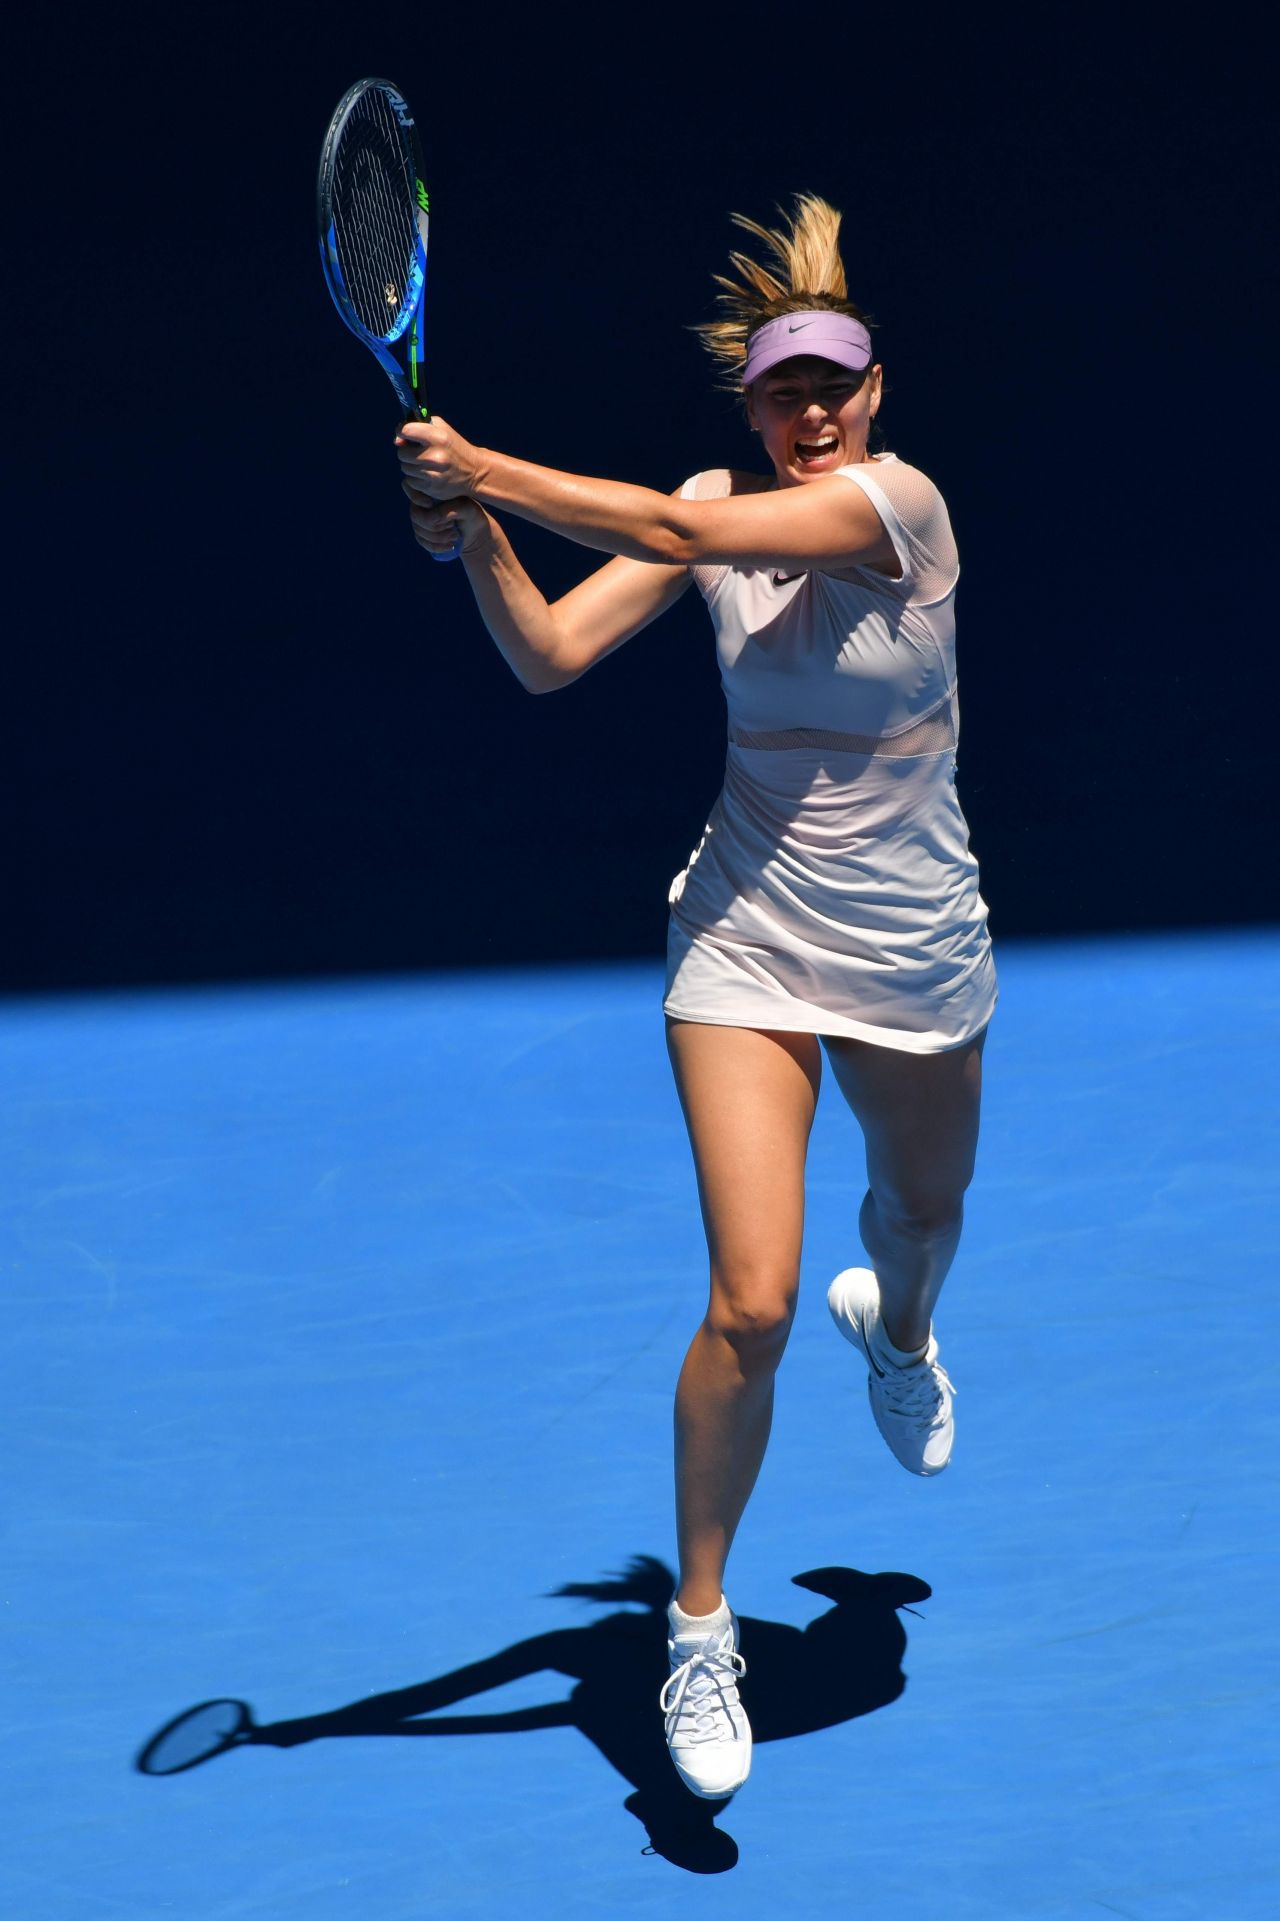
pixel 708 1733
pixel 911 1405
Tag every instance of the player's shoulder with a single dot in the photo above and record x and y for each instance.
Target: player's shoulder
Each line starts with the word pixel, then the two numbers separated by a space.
pixel 890 466
pixel 914 495
pixel 895 474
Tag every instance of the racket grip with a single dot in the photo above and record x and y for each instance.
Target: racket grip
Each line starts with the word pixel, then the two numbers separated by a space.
pixel 423 412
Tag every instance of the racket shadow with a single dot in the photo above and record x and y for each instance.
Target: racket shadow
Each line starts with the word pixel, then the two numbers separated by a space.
pixel 845 1663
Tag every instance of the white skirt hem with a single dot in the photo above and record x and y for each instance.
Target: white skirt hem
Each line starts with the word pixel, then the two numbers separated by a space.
pixel 798 1019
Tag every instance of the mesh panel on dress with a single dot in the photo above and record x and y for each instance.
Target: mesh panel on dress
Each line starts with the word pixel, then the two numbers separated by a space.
pixel 936 734
pixel 923 513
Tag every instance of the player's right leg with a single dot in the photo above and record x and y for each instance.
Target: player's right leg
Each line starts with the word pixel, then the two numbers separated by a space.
pixel 748 1098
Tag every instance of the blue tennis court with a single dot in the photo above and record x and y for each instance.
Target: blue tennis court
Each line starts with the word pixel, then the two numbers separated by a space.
pixel 343 1324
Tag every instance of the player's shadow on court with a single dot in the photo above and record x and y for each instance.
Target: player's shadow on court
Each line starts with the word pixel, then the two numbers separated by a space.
pixel 846 1662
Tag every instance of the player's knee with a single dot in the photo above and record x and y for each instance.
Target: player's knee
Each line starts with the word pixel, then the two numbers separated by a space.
pixel 754 1314
pixel 919 1215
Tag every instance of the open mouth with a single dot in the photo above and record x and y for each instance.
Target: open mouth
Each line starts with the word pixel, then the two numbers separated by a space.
pixel 809 452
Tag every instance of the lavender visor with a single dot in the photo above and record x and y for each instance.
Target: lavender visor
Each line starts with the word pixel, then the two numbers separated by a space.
pixel 833 336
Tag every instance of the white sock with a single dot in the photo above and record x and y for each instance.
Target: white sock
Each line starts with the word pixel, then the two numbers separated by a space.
pixel 696 1627
pixel 896 1356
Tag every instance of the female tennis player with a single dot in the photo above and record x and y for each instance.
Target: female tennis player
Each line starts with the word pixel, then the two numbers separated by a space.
pixel 832 901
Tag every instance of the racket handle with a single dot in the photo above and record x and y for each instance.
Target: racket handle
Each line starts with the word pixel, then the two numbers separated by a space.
pixel 423 412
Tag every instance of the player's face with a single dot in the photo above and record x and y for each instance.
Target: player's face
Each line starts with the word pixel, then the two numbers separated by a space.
pixel 813 416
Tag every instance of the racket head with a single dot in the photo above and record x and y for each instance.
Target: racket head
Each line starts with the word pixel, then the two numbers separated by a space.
pixel 374 217
pixel 196 1735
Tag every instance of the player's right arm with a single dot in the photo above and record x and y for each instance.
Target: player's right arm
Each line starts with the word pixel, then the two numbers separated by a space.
pixel 546 644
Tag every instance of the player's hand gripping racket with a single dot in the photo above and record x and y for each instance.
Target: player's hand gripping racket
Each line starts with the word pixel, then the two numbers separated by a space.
pixel 373 211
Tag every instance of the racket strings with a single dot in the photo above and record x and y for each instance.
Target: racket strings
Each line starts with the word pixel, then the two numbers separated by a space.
pixel 374 223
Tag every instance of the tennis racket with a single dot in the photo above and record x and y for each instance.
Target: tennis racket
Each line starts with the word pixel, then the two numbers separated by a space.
pixel 373 212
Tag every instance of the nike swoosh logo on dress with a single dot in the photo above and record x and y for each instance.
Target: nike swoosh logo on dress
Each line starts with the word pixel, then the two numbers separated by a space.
pixel 783 580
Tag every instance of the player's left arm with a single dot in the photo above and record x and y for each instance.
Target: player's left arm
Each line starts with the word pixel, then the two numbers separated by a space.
pixel 824 523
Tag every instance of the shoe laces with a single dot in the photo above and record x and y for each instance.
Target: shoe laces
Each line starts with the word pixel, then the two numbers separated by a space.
pixel 915 1393
pixel 698 1695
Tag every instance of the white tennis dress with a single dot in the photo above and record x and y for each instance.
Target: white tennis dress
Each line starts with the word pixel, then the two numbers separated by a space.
pixel 834 890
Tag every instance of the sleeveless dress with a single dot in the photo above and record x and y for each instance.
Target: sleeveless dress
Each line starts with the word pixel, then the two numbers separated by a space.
pixel 833 890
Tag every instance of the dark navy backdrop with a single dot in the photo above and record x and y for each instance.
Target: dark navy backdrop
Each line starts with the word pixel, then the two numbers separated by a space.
pixel 253 730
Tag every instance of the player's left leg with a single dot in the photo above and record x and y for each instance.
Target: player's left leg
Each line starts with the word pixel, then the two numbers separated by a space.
pixel 919 1115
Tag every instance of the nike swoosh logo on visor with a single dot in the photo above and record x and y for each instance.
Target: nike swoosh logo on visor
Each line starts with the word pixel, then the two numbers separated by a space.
pixel 800 326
